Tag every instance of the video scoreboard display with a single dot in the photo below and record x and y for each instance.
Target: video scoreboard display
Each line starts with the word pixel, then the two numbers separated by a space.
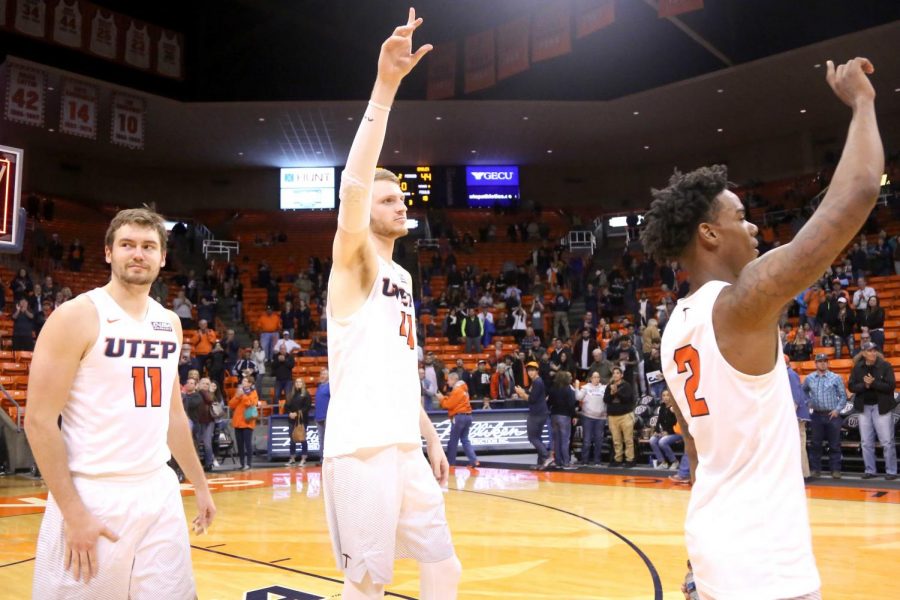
pixel 417 184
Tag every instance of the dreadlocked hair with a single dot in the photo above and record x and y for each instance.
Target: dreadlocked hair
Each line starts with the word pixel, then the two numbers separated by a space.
pixel 676 210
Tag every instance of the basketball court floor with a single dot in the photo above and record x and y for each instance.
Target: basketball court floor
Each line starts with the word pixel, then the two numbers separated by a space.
pixel 520 534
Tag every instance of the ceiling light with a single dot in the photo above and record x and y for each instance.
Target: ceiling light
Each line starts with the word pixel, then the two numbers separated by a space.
pixel 50 88
pixel 396 152
pixel 524 118
pixel 474 151
pixel 720 91
pixel 51 130
pixel 549 151
pixel 802 111
pixel 646 147
pixel 262 119
pixel 636 113
pixel 817 66
pixel 349 118
pixel 897 89
pixel 240 153
pixel 720 130
pixel 438 118
pixel 318 152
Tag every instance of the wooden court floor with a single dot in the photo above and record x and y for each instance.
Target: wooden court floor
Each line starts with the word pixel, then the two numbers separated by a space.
pixel 519 534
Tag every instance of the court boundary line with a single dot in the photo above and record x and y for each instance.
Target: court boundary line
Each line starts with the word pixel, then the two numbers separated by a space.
pixel 291 569
pixel 18 562
pixel 654 574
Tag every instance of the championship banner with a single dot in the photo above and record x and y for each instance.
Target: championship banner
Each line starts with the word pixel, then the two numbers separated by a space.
pixel 25 95
pixel 78 109
pixel 31 17
pixel 593 15
pixel 442 72
pixel 480 55
pixel 671 8
pixel 128 121
pixel 512 48
pixel 551 31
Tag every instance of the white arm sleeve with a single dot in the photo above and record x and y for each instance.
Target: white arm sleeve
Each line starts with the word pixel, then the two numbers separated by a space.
pixel 356 180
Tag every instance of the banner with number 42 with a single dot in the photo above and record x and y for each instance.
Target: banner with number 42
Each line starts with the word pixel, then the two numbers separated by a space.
pixel 25 95
pixel 128 121
pixel 78 109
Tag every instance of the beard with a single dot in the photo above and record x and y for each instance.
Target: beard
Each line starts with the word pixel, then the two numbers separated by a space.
pixel 392 229
pixel 141 277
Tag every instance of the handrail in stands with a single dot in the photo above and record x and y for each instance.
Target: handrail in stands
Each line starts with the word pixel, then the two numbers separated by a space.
pixel 225 247
pixel 581 240
pixel 16 404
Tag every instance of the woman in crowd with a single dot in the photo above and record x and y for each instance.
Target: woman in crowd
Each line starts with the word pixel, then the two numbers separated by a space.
pixel 873 318
pixel 244 411
pixel 562 402
pixel 664 435
pixel 258 356
pixel 297 409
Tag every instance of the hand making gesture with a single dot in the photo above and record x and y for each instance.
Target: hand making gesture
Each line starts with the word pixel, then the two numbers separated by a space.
pixel 397 58
pixel 850 81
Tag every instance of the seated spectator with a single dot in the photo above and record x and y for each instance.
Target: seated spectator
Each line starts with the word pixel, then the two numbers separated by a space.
pixel 286 344
pixel 664 435
pixel 318 346
pixel 800 349
pixel 843 325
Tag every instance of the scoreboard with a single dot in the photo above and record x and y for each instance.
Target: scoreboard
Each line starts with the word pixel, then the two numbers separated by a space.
pixel 417 184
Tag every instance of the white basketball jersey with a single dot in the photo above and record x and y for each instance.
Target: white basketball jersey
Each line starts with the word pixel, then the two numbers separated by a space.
pixel 137 46
pixel 67 24
pixel 373 369
pixel 168 58
pixel 104 35
pixel 747 528
pixel 31 16
pixel 117 416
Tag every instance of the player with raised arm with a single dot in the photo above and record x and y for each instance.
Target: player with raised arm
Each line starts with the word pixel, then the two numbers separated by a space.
pixel 747 527
pixel 107 363
pixel 383 499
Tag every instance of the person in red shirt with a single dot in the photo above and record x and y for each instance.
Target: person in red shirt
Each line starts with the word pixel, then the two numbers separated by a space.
pixel 460 411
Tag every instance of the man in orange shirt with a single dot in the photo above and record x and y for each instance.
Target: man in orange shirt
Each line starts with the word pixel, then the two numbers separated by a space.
pixel 460 412
pixel 813 297
pixel 268 324
pixel 205 340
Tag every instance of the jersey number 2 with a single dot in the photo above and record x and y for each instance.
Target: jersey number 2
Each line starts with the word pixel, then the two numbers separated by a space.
pixel 687 356
pixel 406 329
pixel 139 381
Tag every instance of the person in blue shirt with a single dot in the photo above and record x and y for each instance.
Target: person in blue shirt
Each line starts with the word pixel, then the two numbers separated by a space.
pixel 323 397
pixel 801 403
pixel 827 396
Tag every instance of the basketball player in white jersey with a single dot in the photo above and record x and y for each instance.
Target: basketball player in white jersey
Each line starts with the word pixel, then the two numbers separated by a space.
pixel 383 499
pixel 747 528
pixel 107 363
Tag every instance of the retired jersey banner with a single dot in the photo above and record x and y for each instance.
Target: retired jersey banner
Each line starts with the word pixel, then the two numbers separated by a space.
pixel 512 48
pixel 442 72
pixel 137 44
pixel 104 34
pixel 169 53
pixel 128 114
pixel 593 15
pixel 671 8
pixel 78 109
pixel 67 24
pixel 480 60
pixel 551 31
pixel 31 17
pixel 25 95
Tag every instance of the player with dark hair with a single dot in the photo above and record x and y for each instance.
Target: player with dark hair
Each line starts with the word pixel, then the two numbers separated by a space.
pixel 747 528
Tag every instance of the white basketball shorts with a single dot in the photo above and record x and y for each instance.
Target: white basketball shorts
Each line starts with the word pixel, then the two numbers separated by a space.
pixel 382 504
pixel 152 558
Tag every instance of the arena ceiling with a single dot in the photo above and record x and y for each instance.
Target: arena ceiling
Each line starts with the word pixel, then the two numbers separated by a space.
pixel 279 82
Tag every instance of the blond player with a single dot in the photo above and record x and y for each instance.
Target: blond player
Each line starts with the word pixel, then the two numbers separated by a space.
pixel 747 528
pixel 107 363
pixel 382 496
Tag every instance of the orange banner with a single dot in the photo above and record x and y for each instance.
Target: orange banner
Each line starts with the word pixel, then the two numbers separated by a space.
pixel 551 31
pixel 442 72
pixel 512 48
pixel 671 8
pixel 480 58
pixel 593 15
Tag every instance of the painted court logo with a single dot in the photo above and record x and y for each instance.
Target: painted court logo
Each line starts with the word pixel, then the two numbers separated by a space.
pixel 277 592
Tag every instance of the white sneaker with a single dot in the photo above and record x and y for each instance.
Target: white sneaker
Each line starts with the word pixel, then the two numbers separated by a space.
pixel 302 462
pixel 245 468
pixel 290 463
pixel 216 463
pixel 547 462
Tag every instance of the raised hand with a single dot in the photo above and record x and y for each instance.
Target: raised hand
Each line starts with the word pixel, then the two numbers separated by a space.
pixel 850 81
pixel 397 58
